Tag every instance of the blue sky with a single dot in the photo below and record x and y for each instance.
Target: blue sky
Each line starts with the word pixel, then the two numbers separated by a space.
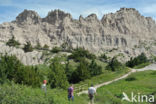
pixel 9 9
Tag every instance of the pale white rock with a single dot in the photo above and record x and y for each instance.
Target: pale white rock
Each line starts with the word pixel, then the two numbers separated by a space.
pixel 124 30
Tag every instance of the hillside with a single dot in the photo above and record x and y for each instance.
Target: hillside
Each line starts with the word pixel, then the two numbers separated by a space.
pixel 125 33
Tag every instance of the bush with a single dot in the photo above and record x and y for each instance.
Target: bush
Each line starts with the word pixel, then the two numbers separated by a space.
pixel 82 72
pixel 57 76
pixel 137 60
pixel 68 71
pixel 28 47
pixel 103 57
pixel 12 42
pixel 94 68
pixel 79 53
pixel 28 76
pixel 45 47
pixel 19 94
pixel 56 50
pixel 114 65
pixel 130 79
pixel 64 46
pixel 38 46
pixel 8 67
pixel 13 70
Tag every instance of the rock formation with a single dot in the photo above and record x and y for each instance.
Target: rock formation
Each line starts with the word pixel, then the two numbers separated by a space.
pixel 125 31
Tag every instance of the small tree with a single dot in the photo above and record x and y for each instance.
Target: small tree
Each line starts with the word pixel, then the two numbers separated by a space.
pixel 114 65
pixel 64 46
pixel 82 72
pixel 38 46
pixel 137 60
pixel 103 57
pixel 8 67
pixel 68 71
pixel 28 47
pixel 79 53
pixel 56 50
pixel 29 76
pixel 94 68
pixel 46 47
pixel 13 70
pixel 12 42
pixel 57 76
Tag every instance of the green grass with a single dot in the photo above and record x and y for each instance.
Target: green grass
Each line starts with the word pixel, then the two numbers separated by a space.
pixel 20 94
pixel 112 94
pixel 144 83
pixel 102 64
pixel 106 76
pixel 142 65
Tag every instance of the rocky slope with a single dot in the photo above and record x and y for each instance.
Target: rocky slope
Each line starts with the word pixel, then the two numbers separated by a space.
pixel 125 32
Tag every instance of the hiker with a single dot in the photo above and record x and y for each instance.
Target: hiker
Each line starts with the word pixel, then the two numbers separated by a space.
pixel 91 93
pixel 44 86
pixel 71 93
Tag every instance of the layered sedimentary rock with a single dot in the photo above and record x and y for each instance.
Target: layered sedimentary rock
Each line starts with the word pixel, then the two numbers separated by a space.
pixel 125 31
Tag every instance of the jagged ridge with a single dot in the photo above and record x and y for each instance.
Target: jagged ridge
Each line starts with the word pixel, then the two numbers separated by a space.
pixel 123 30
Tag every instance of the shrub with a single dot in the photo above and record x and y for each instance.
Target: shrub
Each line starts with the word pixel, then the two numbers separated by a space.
pixel 64 46
pixel 57 76
pixel 82 72
pixel 94 68
pixel 28 47
pixel 20 94
pixel 45 47
pixel 114 65
pixel 13 70
pixel 12 42
pixel 8 67
pixel 130 79
pixel 137 60
pixel 56 50
pixel 103 57
pixel 79 53
pixel 38 46
pixel 68 71
pixel 28 76
pixel 153 73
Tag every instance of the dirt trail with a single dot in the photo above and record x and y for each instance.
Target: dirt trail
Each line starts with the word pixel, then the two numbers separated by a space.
pixel 150 67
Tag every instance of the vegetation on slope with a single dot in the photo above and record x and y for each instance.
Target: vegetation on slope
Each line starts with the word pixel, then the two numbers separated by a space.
pixel 21 84
pixel 141 59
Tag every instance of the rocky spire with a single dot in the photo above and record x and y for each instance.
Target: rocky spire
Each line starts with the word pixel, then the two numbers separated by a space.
pixel 56 16
pixel 128 21
pixel 28 16
pixel 92 16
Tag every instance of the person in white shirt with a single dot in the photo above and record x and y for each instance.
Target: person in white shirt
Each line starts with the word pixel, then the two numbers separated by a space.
pixel 91 93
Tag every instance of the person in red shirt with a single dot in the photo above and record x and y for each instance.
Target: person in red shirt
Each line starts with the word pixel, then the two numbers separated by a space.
pixel 44 86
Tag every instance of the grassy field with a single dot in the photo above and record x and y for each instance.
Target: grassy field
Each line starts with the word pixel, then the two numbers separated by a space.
pixel 19 94
pixel 106 76
pixel 142 65
pixel 142 82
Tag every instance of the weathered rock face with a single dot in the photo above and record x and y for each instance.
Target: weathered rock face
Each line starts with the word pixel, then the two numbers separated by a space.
pixel 31 58
pixel 28 17
pixel 124 30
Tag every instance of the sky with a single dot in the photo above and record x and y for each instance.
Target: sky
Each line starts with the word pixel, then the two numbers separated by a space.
pixel 9 9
